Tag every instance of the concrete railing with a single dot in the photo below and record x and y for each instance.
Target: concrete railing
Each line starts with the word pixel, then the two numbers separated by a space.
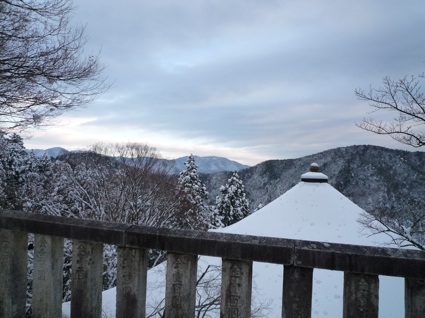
pixel 361 266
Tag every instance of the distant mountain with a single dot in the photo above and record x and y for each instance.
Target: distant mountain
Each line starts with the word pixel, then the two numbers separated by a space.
pixel 52 152
pixel 209 164
pixel 368 175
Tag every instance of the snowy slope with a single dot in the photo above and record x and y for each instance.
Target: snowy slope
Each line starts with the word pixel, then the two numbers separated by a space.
pixel 207 164
pixel 51 152
pixel 308 211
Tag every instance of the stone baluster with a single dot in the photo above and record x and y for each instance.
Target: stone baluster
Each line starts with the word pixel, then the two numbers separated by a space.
pixel 236 288
pixel 414 297
pixel 180 285
pixel 13 273
pixel 297 292
pixel 361 295
pixel 131 282
pixel 86 288
pixel 47 276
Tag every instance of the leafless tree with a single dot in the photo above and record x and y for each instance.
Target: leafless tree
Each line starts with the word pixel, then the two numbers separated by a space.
pixel 144 191
pixel 44 70
pixel 404 225
pixel 405 98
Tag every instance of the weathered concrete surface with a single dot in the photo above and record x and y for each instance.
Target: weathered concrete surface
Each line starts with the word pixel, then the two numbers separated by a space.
pixel 241 247
pixel 414 297
pixel 180 288
pixel 86 288
pixel 236 288
pixel 13 273
pixel 132 271
pixel 80 229
pixel 360 259
pixel 361 295
pixel 47 277
pixel 297 292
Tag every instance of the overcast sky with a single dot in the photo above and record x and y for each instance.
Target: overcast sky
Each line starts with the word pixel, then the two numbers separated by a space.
pixel 249 80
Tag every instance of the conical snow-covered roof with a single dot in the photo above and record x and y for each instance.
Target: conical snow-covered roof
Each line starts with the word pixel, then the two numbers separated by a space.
pixel 311 210
pixel 314 210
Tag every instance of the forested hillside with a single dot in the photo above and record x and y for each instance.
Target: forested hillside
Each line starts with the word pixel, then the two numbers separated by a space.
pixel 368 175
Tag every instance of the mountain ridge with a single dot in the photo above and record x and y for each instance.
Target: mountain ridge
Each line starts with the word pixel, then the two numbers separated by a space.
pixel 206 164
pixel 368 175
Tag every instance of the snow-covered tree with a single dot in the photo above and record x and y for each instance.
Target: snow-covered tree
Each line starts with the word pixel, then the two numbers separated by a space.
pixel 13 165
pixel 193 196
pixel 23 176
pixel 232 205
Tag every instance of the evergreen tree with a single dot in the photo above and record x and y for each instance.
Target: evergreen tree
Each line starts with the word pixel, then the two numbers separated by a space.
pixel 232 206
pixel 14 165
pixel 36 191
pixel 193 194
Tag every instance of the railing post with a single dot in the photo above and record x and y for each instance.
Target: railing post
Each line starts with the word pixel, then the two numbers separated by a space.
pixel 13 273
pixel 180 292
pixel 47 276
pixel 297 292
pixel 361 295
pixel 236 288
pixel 131 282
pixel 414 297
pixel 86 285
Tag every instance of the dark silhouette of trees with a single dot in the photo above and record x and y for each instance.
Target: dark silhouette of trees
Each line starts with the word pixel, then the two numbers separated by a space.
pixel 44 70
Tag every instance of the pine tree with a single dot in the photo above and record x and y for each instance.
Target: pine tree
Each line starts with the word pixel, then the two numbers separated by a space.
pixel 193 194
pixel 14 166
pixel 232 206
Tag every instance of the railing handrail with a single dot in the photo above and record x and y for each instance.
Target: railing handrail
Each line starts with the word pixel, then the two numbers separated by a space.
pixel 309 254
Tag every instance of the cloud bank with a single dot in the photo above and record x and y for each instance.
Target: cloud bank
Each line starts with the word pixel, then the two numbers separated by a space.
pixel 249 80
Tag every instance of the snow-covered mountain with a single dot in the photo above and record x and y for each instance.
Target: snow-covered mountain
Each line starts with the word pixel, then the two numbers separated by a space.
pixel 207 164
pixel 308 211
pixel 380 175
pixel 51 152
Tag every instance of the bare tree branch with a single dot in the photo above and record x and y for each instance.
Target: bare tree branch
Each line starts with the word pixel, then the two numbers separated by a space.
pixel 44 70
pixel 406 98
pixel 405 227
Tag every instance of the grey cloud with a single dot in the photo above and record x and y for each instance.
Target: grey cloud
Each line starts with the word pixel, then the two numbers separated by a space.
pixel 262 75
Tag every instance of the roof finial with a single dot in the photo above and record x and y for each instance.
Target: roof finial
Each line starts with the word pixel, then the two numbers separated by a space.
pixel 314 167
pixel 314 175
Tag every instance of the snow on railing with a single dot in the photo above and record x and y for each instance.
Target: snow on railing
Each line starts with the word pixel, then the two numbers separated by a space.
pixel 361 266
